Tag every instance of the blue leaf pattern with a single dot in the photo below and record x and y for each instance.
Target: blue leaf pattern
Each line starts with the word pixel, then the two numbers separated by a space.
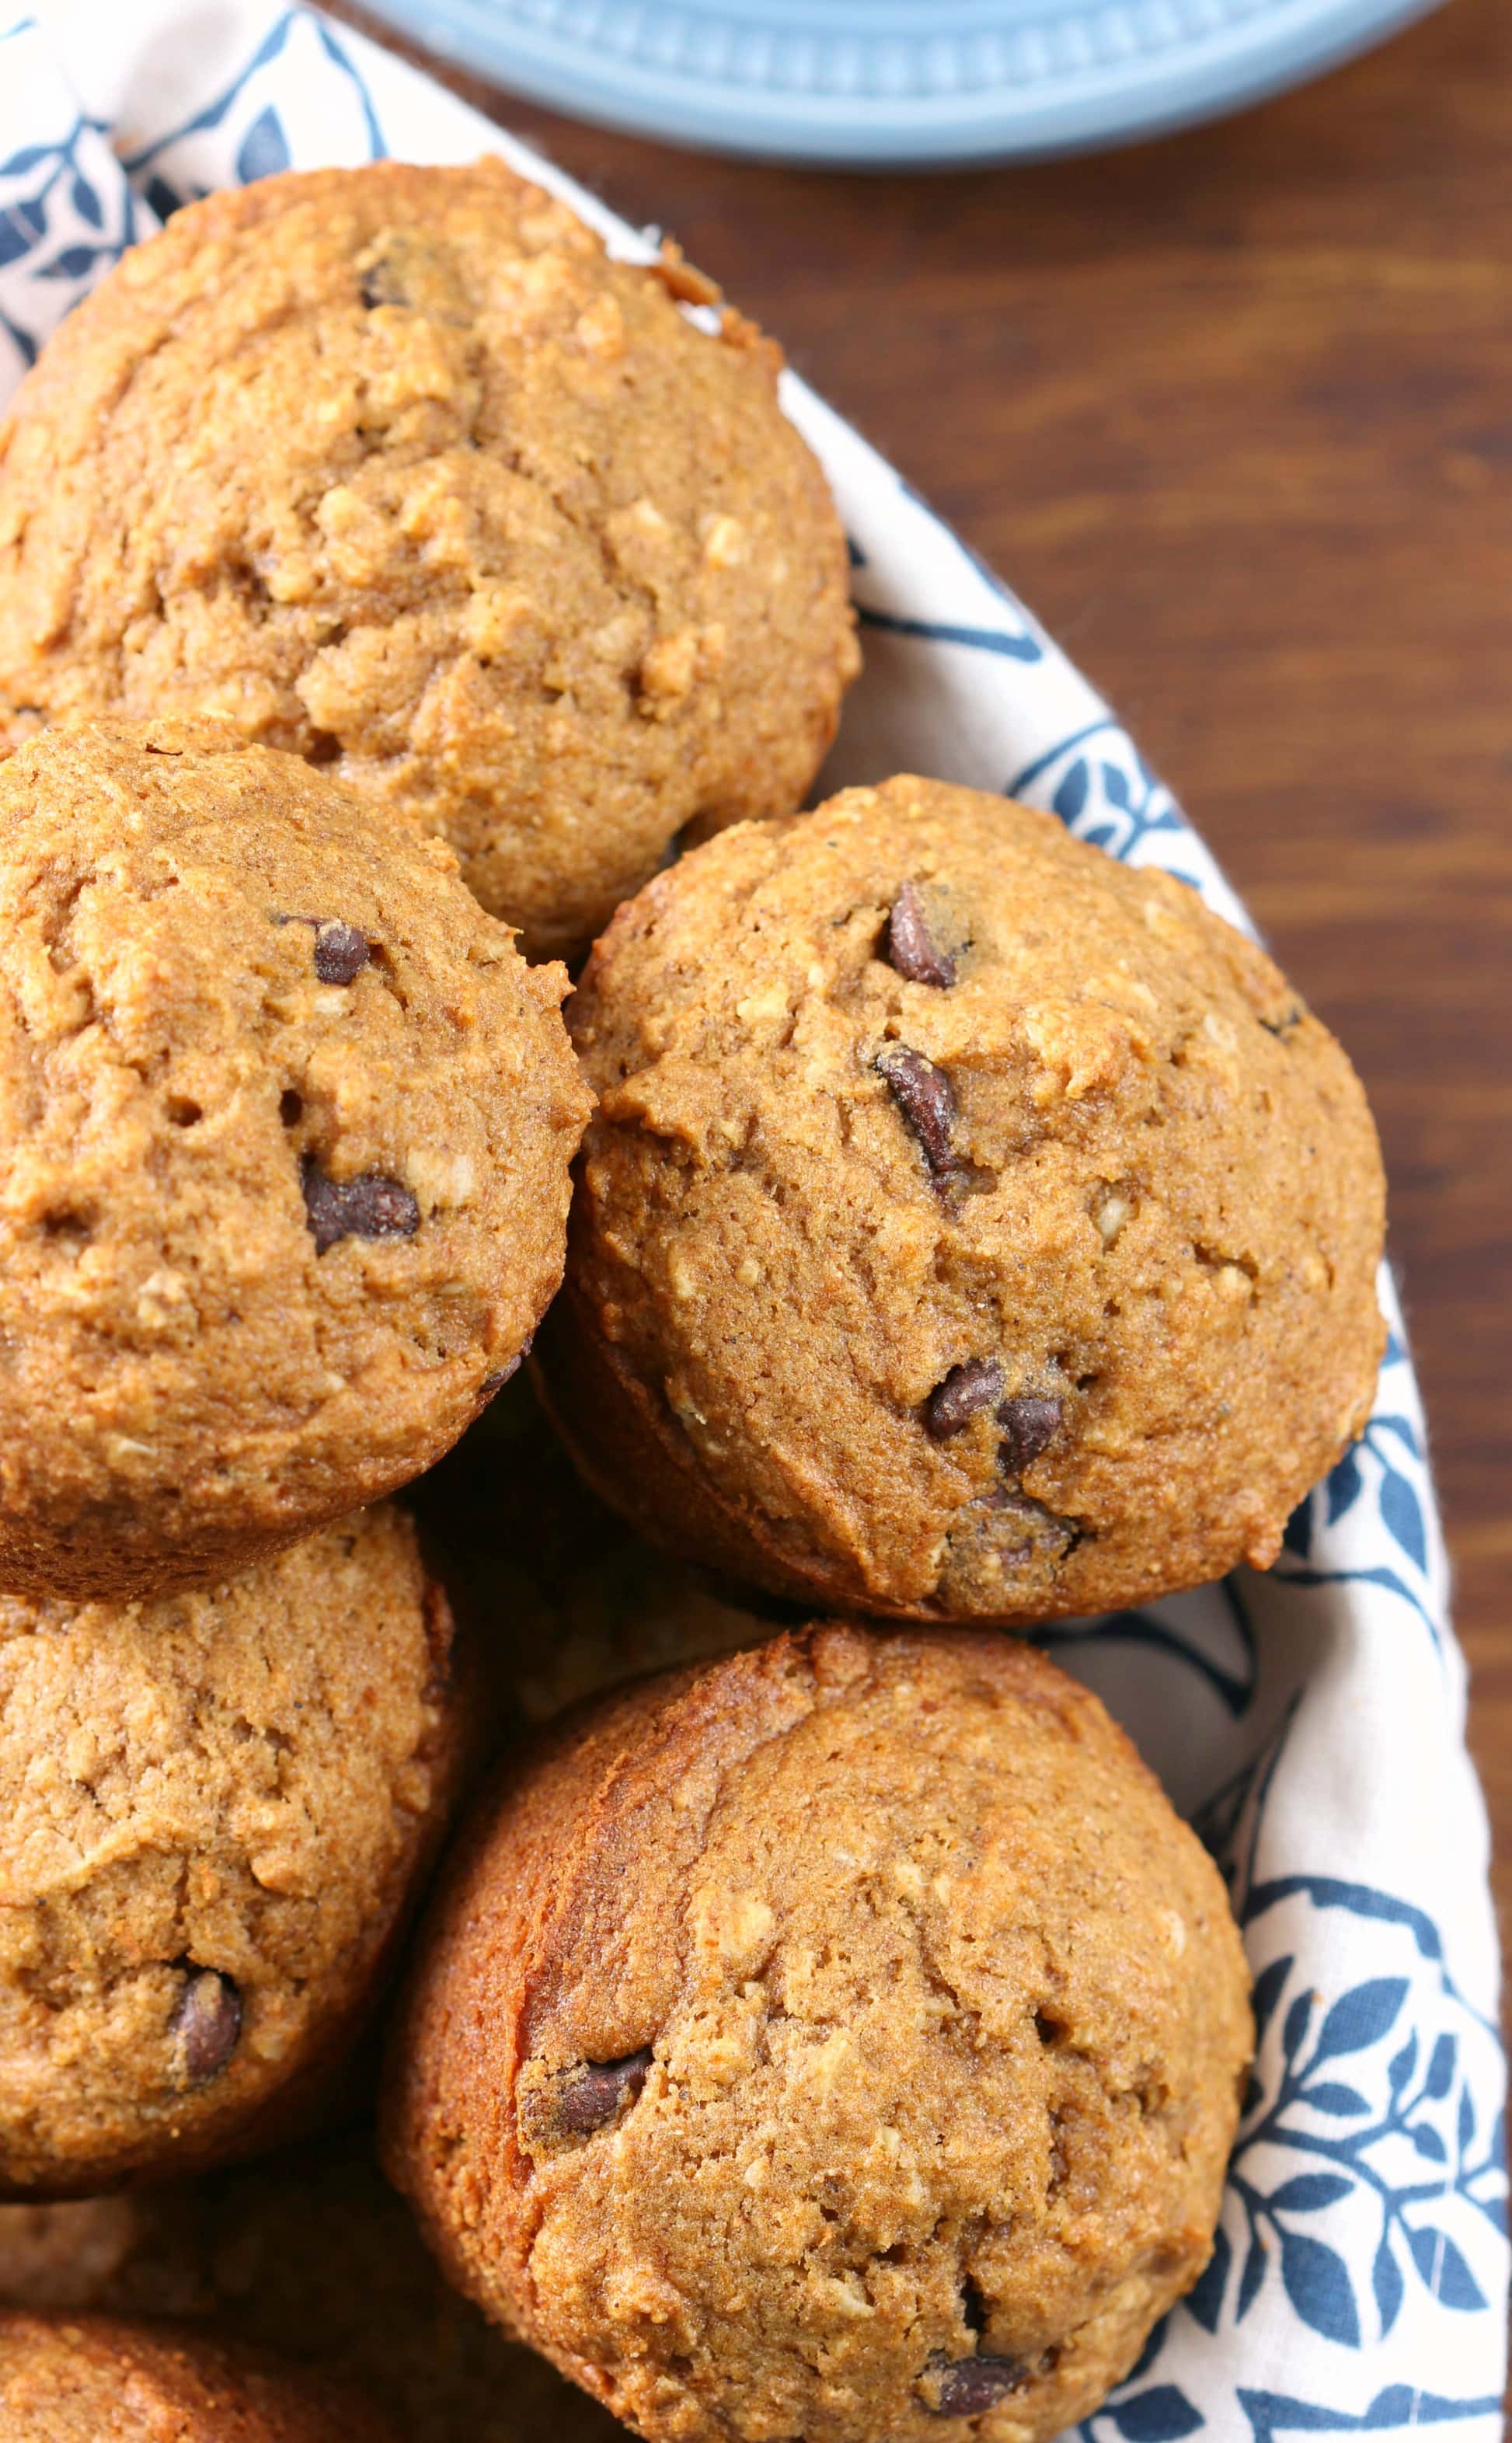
pixel 1205 2300
pixel 264 148
pixel 1402 1515
pixel 1387 2282
pixel 1444 2269
pixel 1360 2017
pixel 1270 1986
pixel 1162 2414
pixel 1318 2285
pixel 1367 2204
pixel 1309 2193
pixel 1340 2103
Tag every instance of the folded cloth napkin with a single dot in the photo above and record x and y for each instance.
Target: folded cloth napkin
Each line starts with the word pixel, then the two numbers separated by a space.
pixel 1311 1720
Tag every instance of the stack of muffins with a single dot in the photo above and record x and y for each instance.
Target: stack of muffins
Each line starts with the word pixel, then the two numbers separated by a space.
pixel 834 2033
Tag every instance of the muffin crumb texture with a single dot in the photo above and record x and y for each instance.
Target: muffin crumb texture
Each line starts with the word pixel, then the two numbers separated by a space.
pixel 218 1805
pixel 972 1227
pixel 836 2040
pixel 286 1124
pixel 396 469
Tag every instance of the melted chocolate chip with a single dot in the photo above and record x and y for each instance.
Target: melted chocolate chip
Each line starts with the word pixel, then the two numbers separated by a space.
pixel 368 1207
pixel 965 2387
pixel 341 952
pixel 1022 1530
pixel 912 948
pixel 205 2024
pixel 1029 1427
pixel 927 1100
pixel 953 1402
pixel 592 2101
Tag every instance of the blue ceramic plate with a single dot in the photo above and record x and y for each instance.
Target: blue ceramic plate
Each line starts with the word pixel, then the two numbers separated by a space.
pixel 875 82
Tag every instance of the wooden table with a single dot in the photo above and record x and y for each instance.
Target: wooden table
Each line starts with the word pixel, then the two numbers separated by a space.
pixel 1234 414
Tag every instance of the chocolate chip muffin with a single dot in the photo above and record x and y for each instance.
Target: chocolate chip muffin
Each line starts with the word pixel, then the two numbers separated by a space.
pixel 217 1809
pixel 971 1227
pixel 392 466
pixel 100 2379
pixel 310 2253
pixel 835 2040
pixel 286 1124
pixel 565 1598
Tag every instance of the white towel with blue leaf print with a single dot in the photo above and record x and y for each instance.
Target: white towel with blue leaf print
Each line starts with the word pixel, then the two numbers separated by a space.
pixel 1311 1720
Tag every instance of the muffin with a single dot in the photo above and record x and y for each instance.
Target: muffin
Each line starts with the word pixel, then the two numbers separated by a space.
pixel 102 2380
pixel 285 1127
pixel 392 466
pixel 310 2253
pixel 218 1806
pixel 835 2040
pixel 972 1227
pixel 563 1597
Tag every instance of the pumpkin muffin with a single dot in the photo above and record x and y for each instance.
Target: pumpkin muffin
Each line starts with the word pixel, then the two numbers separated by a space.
pixel 217 1807
pixel 972 1227
pixel 837 2040
pixel 393 467
pixel 285 1127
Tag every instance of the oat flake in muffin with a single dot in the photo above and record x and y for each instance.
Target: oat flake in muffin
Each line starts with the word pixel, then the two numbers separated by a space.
pixel 392 466
pixel 838 2040
pixel 972 1227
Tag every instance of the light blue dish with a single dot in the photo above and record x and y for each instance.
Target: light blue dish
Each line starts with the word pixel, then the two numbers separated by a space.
pixel 871 82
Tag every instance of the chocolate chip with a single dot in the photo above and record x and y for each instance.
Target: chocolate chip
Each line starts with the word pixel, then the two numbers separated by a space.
pixel 206 2025
pixel 341 952
pixel 368 1207
pixel 379 284
pixel 927 1100
pixel 966 1388
pixel 912 948
pixel 1029 1427
pixel 1022 1530
pixel 492 1383
pixel 965 2387
pixel 593 2099
pixel 1284 1025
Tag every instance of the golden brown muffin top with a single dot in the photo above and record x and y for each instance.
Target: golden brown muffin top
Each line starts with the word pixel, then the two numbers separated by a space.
pixel 215 1807
pixel 971 1225
pixel 284 1128
pixel 836 2038
pixel 392 466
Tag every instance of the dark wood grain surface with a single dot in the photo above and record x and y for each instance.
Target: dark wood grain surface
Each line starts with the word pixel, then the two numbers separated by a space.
pixel 1234 414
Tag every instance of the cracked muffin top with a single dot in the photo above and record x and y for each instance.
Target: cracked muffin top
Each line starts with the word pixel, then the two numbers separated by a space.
pixel 392 466
pixel 972 1227
pixel 216 1806
pixel 286 1124
pixel 841 2039
pixel 104 2380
